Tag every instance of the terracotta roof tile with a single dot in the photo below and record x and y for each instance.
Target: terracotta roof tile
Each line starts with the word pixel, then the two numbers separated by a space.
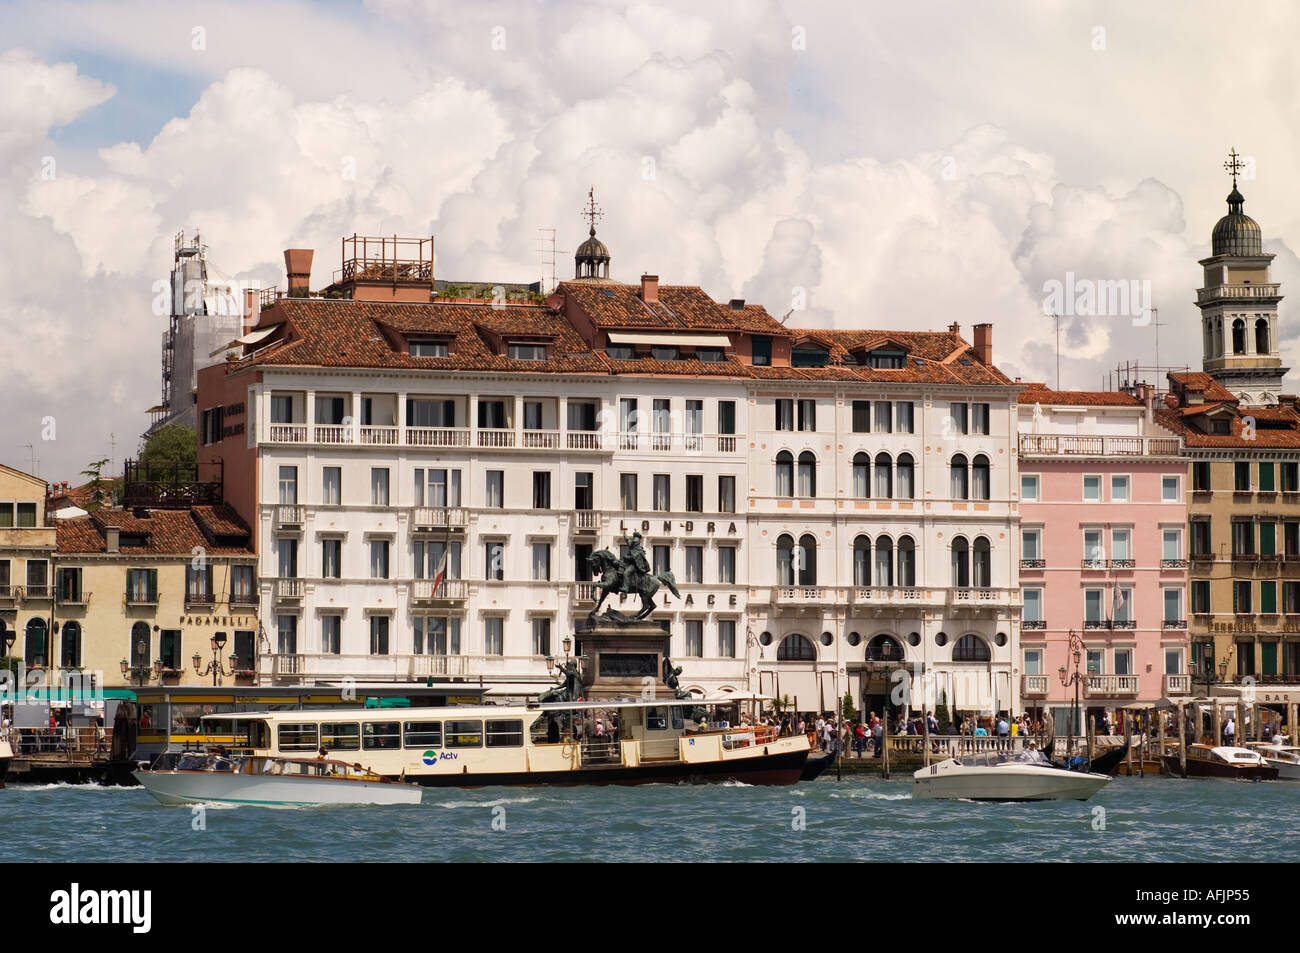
pixel 1038 393
pixel 165 532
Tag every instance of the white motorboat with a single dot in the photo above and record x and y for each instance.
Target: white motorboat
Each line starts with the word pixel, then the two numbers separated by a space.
pixel 1286 758
pixel 272 782
pixel 1005 776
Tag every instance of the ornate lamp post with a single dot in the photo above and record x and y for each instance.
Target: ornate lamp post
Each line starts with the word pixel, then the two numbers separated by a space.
pixel 215 668
pixel 140 673
pixel 1074 678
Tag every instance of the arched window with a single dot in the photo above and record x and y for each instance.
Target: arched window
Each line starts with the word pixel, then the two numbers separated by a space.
pixel 1218 337
pixel 807 560
pixel 905 477
pixel 884 648
pixel 140 645
pixel 862 561
pixel 784 473
pixel 979 478
pixel 982 564
pixel 785 560
pixel 906 561
pixel 957 478
pixel 34 646
pixel 70 646
pixel 960 563
pixel 884 561
pixel 1261 337
pixel 807 474
pixel 795 648
pixel 861 476
pixel 970 648
pixel 1238 336
pixel 1209 339
pixel 884 476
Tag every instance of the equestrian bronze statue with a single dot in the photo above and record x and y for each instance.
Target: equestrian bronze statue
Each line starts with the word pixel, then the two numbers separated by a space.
pixel 628 575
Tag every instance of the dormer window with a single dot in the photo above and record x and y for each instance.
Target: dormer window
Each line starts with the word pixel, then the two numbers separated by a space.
pixel 1221 427
pixel 620 352
pixel 762 350
pixel 666 352
pixel 883 359
pixel 526 352
pixel 709 355
pixel 810 357
pixel 429 349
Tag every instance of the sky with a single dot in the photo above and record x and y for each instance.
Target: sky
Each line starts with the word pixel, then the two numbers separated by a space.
pixel 850 164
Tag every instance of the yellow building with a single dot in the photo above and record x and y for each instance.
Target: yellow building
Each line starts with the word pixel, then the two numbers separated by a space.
pixel 139 593
pixel 26 553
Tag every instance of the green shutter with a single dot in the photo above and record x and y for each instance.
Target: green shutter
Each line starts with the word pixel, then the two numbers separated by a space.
pixel 1268 597
pixel 1266 483
pixel 1269 658
pixel 1267 539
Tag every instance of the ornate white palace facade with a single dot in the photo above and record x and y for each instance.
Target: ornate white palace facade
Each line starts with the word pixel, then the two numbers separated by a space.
pixel 427 476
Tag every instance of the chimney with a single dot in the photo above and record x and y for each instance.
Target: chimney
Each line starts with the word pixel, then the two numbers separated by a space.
pixel 954 328
pixel 984 344
pixel 297 265
pixel 111 536
pixel 650 289
pixel 252 308
pixel 736 304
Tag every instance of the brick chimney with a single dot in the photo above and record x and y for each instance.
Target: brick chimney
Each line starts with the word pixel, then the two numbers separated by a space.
pixel 252 308
pixel 954 328
pixel 650 289
pixel 112 535
pixel 984 344
pixel 297 265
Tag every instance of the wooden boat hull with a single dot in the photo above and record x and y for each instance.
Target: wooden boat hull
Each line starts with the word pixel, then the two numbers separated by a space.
pixel 1197 768
pixel 1139 767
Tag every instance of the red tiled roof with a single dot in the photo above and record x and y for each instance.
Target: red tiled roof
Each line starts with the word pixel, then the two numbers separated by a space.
pixel 1202 383
pixel 166 532
pixel 1038 393
pixel 1285 437
pixel 680 308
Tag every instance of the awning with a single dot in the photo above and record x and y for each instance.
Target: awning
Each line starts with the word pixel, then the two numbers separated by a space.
pixel 252 337
pixel 686 340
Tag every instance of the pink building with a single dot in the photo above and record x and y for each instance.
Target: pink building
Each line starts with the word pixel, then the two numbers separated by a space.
pixel 1103 552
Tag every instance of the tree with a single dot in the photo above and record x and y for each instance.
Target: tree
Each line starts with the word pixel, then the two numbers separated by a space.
pixel 941 713
pixel 101 490
pixel 847 708
pixel 170 448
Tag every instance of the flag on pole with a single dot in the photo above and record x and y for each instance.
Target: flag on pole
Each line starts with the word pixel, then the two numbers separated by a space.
pixel 440 573
pixel 1118 602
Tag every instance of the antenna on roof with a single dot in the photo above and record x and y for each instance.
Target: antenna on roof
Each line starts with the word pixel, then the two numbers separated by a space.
pixel 1057 319
pixel 786 317
pixel 549 256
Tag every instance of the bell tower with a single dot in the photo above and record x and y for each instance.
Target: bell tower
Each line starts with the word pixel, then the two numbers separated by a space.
pixel 591 260
pixel 1238 306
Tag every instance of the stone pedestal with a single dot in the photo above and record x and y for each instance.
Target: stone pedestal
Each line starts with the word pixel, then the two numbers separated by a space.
pixel 620 659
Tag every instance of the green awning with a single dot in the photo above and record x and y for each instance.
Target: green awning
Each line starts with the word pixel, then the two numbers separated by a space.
pixel 394 702
pixel 59 693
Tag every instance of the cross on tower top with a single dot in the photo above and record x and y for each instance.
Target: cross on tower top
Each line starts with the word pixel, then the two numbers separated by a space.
pixel 1234 165
pixel 592 212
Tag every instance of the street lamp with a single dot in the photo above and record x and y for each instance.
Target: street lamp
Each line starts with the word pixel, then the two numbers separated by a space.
pixel 139 672
pixel 215 668
pixel 1073 678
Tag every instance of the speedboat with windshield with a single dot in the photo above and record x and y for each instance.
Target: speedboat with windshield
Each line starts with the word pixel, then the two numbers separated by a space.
pixel 1286 758
pixel 1005 776
pixel 1222 761
pixel 218 778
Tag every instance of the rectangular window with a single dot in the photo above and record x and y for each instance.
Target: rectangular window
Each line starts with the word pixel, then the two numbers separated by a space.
pixel 1033 605
pixel 958 418
pixel 505 733
pixel 1241 476
pixel 627 491
pixel 694 638
pixel 428 348
pixel 494 642
pixel 141 584
pixel 727 417
pixel 428 559
pixel 727 565
pixel 762 350
pixel 694 422
pixel 494 495
pixel 541 561
pixel 169 649
pixel 379 635
pixel 694 563
pixel 883 417
pixel 807 414
pixel 1033 661
pixel 1268 538
pixel 694 493
pixel 1174 662
pixel 1123 661
pixel 1201 538
pixel 541 489
pixel 1291 538
pixel 1029 488
pixel 1290 477
pixel 331 486
pixel 288 485
pixel 379 486
pixel 583 491
pixel 243 585
pixel 281 409
pixel 726 638
pixel 494 561
pixel 726 494
pixel 492 414
pixel 1092 605
pixel 1241 604
pixel 661 558
pixel 431 413
pixel 628 417
pixel 1243 538
pixel 1031 544
pixel 467 733
pixel 526 352
pixel 286 634
pixel 331 634
pixel 1266 481
pixel 1291 597
pixel 662 492
pixel 1123 605
pixel 541 636
pixel 784 410
pixel 980 419
pixel 1268 596
pixel 1094 554
pixel 661 424
pixel 1171 544
pixel 1200 595
pixel 296 737
pixel 6 515
pixel 1119 489
pixel 381 735
pixel 862 416
pixel 904 416
pixel 331 558
pixel 1201 475
pixel 1096 661
pixel 1119 546
pixel 26 515
pixel 532 415
pixel 1092 489
pixel 379 559
pixel 340 736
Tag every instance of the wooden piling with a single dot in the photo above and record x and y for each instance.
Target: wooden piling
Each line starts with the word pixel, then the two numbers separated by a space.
pixel 1092 728
pixel 884 743
pixel 1182 741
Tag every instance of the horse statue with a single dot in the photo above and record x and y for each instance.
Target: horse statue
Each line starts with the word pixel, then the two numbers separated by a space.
pixel 628 575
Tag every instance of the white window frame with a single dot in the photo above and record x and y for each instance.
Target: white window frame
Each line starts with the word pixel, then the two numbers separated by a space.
pixel 1128 488
pixel 1038 488
pixel 1084 487
pixel 1178 488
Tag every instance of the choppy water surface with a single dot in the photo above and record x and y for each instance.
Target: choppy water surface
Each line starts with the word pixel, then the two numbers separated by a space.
pixel 1145 819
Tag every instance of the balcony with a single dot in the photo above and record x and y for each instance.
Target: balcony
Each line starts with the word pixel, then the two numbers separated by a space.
pixel 799 595
pixel 138 598
pixel 199 600
pixel 289 517
pixel 1223 292
pixel 1122 563
pixel 496 438
pixel 9 593
pixel 1034 624
pixel 37 592
pixel 584 592
pixel 243 599
pixel 1033 564
pixel 1110 686
pixel 585 522
pixel 967 596
pixel 1092 564
pixel 1173 624
pixel 586 440
pixel 541 439
pixel 287 590
pixel 437 436
pixel 888 595
pixel 1178 685
pixel 1096 623
pixel 73 598
pixel 379 436
pixel 1033 686
pixel 664 442
pixel 1035 444
pixel 436 519
pixel 332 433
pixel 449 591
pixel 1120 625
pixel 287 433
pixel 1173 564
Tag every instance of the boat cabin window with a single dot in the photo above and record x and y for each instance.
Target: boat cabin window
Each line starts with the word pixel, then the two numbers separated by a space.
pixel 656 719
pixel 505 734
pixel 259 734
pixel 465 734
pixel 424 734
pixel 678 724
pixel 381 735
pixel 340 736
pixel 297 737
